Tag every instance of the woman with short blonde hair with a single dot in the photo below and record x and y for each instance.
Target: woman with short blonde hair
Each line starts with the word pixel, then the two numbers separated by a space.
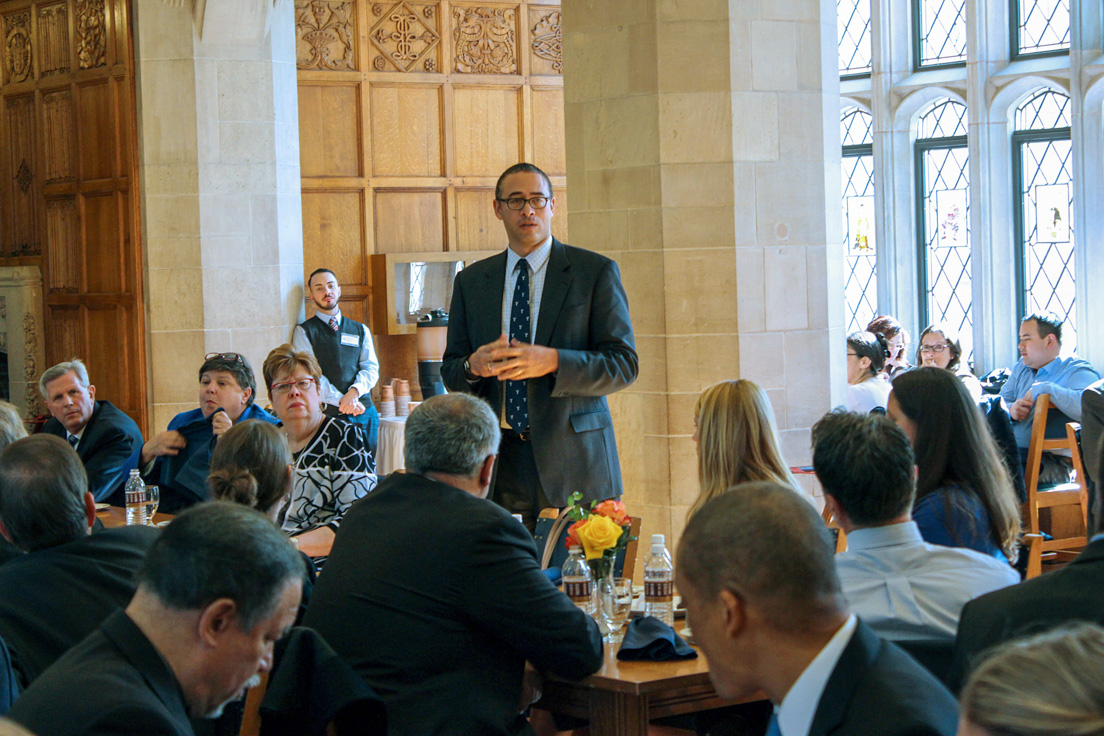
pixel 737 440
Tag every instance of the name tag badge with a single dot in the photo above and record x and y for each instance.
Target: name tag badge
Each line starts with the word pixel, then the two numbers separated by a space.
pixel 352 340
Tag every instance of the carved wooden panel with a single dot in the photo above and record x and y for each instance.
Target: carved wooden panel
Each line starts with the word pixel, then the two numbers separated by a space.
pixel 57 124
pixel 109 340
pixel 96 119
pixel 23 203
pixel 53 39
pixel 18 52
pixel 477 227
pixel 65 334
pixel 325 35
pixel 333 233
pixel 546 40
pixel 406 131
pixel 63 247
pixel 91 20
pixel 405 37
pixel 410 222
pixel 100 235
pixel 330 130
pixel 485 40
pixel 485 128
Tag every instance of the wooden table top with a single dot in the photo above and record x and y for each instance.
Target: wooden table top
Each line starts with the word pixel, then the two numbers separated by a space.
pixel 642 677
pixel 114 516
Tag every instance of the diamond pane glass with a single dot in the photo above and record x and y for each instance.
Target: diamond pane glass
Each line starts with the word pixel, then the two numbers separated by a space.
pixel 1044 110
pixel 1044 26
pixel 946 213
pixel 942 31
pixel 853 21
pixel 944 118
pixel 861 286
pixel 856 127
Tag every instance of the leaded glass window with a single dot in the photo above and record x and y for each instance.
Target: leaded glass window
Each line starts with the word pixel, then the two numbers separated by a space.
pixel 853 21
pixel 943 204
pixel 1043 175
pixel 940 32
pixel 1040 27
pixel 861 285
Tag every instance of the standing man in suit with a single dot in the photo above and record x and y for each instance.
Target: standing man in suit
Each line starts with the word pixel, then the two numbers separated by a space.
pixel 757 574
pixel 218 588
pixel 104 437
pixel 542 332
pixel 345 352
pixel 435 595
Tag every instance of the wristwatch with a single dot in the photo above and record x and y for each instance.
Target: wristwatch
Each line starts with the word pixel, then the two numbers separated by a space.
pixel 467 371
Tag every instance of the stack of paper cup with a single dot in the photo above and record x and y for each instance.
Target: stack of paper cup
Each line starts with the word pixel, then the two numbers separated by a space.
pixel 387 401
pixel 402 397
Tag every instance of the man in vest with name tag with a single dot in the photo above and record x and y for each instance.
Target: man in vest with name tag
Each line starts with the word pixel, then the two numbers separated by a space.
pixel 345 352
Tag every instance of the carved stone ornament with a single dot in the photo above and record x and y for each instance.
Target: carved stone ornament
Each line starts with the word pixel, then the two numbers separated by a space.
pixel 485 41
pixel 548 40
pixel 17 46
pixel 324 35
pixel 91 34
pixel 30 367
pixel 23 177
pixel 403 38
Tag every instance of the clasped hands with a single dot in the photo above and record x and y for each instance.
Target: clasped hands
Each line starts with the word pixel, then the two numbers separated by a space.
pixel 513 360
pixel 1021 407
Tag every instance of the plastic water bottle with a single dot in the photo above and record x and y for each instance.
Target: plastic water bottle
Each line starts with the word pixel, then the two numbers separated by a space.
pixel 659 582
pixel 577 581
pixel 135 500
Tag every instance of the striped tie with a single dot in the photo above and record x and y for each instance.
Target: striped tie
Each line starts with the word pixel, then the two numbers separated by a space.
pixel 333 323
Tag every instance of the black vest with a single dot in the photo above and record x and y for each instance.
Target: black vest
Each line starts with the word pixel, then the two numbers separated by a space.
pixel 339 363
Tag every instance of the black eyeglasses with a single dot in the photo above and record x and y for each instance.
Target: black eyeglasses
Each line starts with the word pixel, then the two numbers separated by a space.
pixel 933 348
pixel 232 357
pixel 517 203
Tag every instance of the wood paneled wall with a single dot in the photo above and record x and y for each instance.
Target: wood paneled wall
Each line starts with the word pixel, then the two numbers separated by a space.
pixel 408 112
pixel 67 199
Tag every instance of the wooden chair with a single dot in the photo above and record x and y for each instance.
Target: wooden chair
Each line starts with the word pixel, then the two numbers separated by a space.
pixel 841 538
pixel 1061 495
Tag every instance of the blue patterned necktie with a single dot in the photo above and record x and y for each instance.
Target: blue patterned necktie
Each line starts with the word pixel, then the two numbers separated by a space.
pixel 772 728
pixel 517 398
pixel 73 440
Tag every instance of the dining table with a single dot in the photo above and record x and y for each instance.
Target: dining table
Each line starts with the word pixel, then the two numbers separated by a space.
pixel 113 516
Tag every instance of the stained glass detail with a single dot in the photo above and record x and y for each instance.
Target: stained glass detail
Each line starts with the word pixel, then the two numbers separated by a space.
pixel 942 32
pixel 853 22
pixel 1044 25
pixel 861 284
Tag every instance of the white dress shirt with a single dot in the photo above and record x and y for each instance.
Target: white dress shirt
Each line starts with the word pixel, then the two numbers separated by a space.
pixel 538 269
pixel 367 363
pixel 906 589
pixel 862 397
pixel 795 714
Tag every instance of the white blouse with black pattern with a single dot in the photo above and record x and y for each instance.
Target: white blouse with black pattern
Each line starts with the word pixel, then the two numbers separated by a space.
pixel 331 472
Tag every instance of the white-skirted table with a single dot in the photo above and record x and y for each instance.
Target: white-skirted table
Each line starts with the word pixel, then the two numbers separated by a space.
pixel 390 445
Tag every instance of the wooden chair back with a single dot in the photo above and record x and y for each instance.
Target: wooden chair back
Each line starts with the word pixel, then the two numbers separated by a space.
pixel 1064 494
pixel 841 538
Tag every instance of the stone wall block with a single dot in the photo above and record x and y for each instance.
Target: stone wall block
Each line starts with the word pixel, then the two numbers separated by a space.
pixel 246 143
pixel 166 112
pixel 699 361
pixel 700 291
pixel 754 126
pixel 175 299
pixel 761 359
pixel 172 253
pixel 177 356
pixel 786 288
pixel 682 67
pixel 652 352
pixel 172 217
pixel 694 185
pixel 751 295
pixel 698 227
pixel 245 91
pixel 242 297
pixel 773 55
pixel 695 127
pixel 790 203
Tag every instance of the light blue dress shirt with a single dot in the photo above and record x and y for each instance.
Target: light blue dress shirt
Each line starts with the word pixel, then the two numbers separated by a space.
pixel 1065 379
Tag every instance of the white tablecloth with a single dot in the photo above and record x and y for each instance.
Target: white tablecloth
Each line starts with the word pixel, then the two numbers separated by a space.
pixel 390 445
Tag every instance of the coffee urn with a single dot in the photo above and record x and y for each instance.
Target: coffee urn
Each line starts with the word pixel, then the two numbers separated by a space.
pixel 432 335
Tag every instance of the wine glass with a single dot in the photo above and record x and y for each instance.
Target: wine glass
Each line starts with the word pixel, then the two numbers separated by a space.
pixel 153 500
pixel 617 598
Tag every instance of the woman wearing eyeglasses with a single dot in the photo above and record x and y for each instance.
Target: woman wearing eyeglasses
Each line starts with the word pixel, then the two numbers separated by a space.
pixel 332 466
pixel 178 459
pixel 940 348
pixel 867 390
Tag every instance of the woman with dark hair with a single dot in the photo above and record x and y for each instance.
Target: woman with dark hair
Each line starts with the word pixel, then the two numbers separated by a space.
pixel 964 497
pixel 940 348
pixel 896 343
pixel 867 389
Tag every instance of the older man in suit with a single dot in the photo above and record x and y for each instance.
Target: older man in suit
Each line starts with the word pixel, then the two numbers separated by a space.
pixel 542 332
pixel 761 591
pixel 104 437
pixel 218 588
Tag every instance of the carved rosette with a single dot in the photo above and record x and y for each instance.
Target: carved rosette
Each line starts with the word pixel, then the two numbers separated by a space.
pixel 548 40
pixel 17 47
pixel 405 37
pixel 91 34
pixel 324 35
pixel 485 40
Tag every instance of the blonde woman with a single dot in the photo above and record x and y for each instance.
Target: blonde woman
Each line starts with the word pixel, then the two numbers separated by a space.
pixel 737 440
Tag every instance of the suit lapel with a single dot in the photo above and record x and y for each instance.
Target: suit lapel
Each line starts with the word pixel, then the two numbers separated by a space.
pixel 856 658
pixel 89 435
pixel 489 299
pixel 557 282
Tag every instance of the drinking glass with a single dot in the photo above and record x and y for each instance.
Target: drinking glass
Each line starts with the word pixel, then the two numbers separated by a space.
pixel 616 600
pixel 153 500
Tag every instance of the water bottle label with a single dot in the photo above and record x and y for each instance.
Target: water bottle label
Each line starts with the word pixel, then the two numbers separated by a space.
pixel 659 591
pixel 578 592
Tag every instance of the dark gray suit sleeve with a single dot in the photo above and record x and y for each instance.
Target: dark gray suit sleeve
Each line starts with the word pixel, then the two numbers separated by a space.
pixel 110 462
pixel 1092 429
pixel 459 346
pixel 508 594
pixel 610 364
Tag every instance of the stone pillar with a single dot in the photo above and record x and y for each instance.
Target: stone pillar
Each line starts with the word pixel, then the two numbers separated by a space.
pixel 703 154
pixel 219 173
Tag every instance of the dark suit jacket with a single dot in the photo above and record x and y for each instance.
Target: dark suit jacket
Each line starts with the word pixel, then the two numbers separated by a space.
pixel 111 684
pixel 1074 593
pixel 584 313
pixel 435 597
pixel 53 598
pixel 107 449
pixel 878 689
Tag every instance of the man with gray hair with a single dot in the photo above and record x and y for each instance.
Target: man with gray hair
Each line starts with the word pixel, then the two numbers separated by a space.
pixel 218 588
pixel 434 594
pixel 104 437
pixel 755 569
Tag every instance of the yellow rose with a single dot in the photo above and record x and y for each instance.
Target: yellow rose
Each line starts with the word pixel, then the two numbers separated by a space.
pixel 597 535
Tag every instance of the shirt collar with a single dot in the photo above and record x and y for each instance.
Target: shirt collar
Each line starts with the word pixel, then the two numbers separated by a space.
pixel 795 714
pixel 536 259
pixel 889 535
pixel 320 314
pixel 78 435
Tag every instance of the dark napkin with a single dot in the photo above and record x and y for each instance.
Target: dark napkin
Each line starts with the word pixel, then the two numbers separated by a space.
pixel 650 639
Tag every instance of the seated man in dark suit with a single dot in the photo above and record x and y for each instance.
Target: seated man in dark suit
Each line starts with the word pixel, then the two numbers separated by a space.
pixel 757 574
pixel 69 580
pixel 104 437
pixel 218 588
pixel 434 594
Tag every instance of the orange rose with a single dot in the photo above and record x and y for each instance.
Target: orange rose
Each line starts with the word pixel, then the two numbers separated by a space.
pixel 598 533
pixel 572 539
pixel 614 510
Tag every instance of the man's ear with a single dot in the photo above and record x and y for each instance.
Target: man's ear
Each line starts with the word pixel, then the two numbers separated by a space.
pixel 497 207
pixel 735 614
pixel 217 619
pixel 90 509
pixel 247 393
pixel 486 474
pixel 92 392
